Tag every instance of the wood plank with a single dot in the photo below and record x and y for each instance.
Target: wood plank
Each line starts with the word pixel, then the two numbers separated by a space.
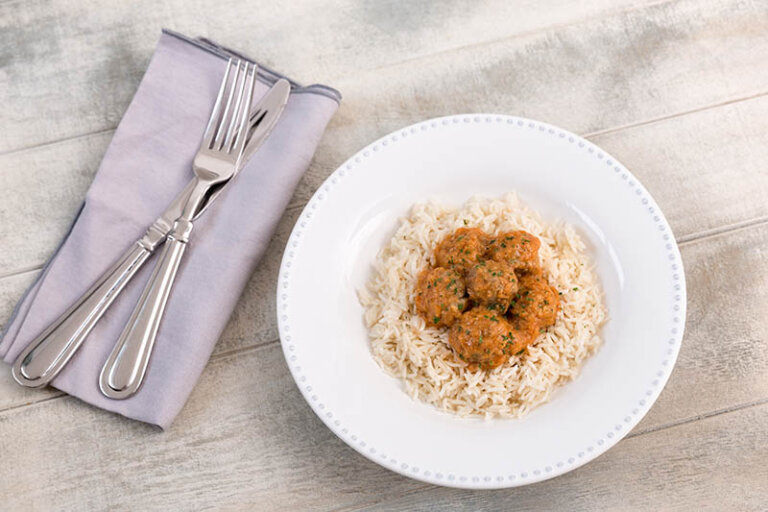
pixel 714 464
pixel 78 62
pixel 724 357
pixel 704 178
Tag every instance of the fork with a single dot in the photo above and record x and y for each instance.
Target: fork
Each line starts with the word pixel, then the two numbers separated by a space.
pixel 46 355
pixel 214 165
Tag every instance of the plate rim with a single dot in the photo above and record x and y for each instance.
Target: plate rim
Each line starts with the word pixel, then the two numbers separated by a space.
pixel 605 441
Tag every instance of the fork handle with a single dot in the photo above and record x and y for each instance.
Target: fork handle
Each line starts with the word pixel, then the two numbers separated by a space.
pixel 124 370
pixel 47 354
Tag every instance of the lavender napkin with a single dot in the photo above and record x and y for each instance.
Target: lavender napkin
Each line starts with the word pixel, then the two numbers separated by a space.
pixel 147 163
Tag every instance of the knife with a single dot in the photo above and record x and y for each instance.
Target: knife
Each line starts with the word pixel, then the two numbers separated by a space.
pixel 47 354
pixel 123 373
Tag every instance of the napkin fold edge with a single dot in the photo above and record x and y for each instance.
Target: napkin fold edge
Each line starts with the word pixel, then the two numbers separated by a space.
pixel 265 74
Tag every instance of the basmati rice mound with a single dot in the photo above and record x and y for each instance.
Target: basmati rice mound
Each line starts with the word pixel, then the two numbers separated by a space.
pixel 420 356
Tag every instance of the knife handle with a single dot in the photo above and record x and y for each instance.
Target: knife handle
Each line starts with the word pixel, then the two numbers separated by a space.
pixel 124 370
pixel 47 354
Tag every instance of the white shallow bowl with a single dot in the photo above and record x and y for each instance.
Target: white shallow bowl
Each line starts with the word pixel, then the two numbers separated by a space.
pixel 329 257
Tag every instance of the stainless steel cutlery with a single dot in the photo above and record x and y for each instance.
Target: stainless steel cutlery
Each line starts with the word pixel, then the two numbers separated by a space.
pixel 234 132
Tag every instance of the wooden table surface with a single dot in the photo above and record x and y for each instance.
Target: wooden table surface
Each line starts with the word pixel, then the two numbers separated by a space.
pixel 676 90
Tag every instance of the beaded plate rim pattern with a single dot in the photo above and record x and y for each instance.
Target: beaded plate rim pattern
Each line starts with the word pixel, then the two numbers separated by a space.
pixel 612 433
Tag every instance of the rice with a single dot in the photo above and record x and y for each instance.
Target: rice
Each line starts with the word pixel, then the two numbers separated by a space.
pixel 420 356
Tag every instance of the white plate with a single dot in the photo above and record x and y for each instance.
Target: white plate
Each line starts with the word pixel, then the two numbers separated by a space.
pixel 354 213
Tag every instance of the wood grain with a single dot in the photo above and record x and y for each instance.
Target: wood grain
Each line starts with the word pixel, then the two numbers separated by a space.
pixel 724 357
pixel 697 165
pixel 77 63
pixel 717 464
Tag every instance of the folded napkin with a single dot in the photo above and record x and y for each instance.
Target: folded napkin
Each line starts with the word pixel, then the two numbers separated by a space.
pixel 147 163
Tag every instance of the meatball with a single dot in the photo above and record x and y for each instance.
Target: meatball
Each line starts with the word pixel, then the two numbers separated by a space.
pixel 461 249
pixel 492 283
pixel 484 339
pixel 440 296
pixel 518 248
pixel 536 303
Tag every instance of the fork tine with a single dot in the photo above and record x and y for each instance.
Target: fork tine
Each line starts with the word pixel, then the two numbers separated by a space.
pixel 243 131
pixel 234 120
pixel 218 138
pixel 209 129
